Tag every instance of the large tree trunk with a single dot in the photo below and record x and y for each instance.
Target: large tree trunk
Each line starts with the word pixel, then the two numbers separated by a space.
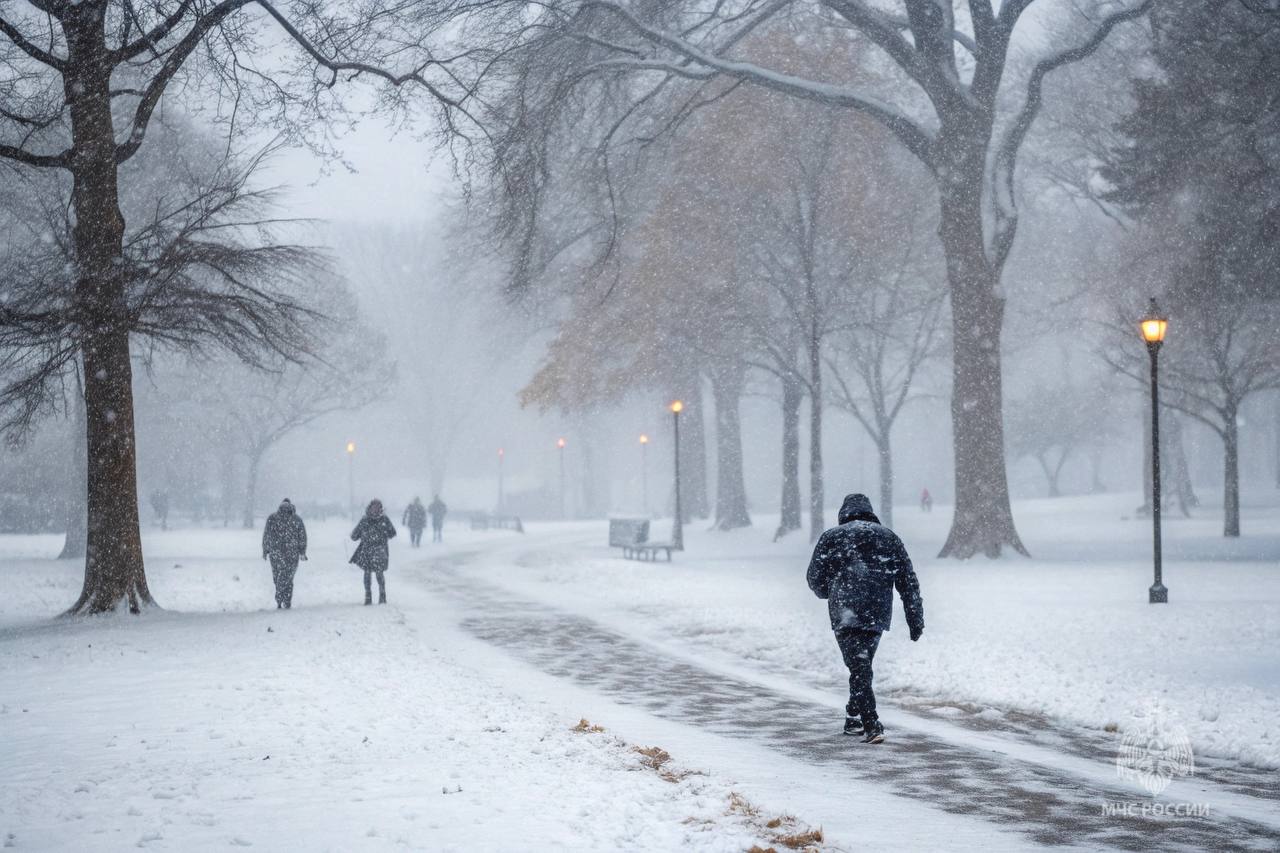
pixel 1276 426
pixel 885 451
pixel 251 486
pixel 76 543
pixel 114 570
pixel 693 448
pixel 792 397
pixel 731 492
pixel 1231 476
pixel 817 487
pixel 983 520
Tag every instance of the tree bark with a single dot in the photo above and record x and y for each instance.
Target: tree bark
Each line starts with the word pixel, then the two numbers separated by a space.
pixel 983 520
pixel 693 449
pixel 731 493
pixel 817 487
pixel 885 452
pixel 1231 475
pixel 792 397
pixel 76 543
pixel 251 486
pixel 114 571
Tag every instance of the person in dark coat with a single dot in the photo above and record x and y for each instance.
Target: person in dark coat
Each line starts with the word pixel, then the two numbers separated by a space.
pixel 438 509
pixel 284 543
pixel 855 567
pixel 372 554
pixel 415 518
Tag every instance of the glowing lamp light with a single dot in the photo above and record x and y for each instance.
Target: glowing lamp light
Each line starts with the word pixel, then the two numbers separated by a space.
pixel 351 447
pixel 677 407
pixel 644 439
pixel 501 453
pixel 560 444
pixel 1154 324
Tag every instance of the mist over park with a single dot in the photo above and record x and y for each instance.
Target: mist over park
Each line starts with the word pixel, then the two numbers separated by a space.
pixel 601 390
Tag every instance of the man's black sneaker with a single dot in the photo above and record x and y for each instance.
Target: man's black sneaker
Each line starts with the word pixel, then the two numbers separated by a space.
pixel 874 733
pixel 853 726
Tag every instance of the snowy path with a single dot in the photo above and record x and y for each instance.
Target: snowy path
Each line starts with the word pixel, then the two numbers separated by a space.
pixel 1051 795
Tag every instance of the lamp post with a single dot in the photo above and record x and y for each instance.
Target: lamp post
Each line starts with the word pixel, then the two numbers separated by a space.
pixel 501 456
pixel 644 473
pixel 351 477
pixel 1153 325
pixel 560 444
pixel 677 524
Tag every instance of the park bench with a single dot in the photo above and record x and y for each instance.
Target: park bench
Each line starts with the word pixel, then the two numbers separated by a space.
pixel 632 536
pixel 484 521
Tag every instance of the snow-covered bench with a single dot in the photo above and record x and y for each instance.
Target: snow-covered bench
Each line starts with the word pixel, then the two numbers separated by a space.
pixel 632 536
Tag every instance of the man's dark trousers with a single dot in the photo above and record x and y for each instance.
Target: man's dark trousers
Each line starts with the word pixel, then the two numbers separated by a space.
pixel 282 571
pixel 858 648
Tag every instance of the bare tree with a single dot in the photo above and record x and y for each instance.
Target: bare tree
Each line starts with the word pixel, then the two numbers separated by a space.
pixel 82 83
pixel 899 304
pixel 964 112
pixel 198 268
pixel 261 405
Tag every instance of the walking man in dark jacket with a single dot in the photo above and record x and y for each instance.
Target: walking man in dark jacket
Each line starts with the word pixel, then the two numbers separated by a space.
pixel 415 518
pixel 438 509
pixel 373 554
pixel 855 567
pixel 284 543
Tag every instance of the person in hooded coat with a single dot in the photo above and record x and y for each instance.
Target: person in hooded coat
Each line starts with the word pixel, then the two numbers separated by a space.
pixel 284 543
pixel 415 518
pixel 373 532
pixel 856 567
pixel 438 509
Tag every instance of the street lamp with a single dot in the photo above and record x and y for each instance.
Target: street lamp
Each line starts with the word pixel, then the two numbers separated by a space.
pixel 501 456
pixel 1153 326
pixel 560 444
pixel 351 477
pixel 677 525
pixel 644 473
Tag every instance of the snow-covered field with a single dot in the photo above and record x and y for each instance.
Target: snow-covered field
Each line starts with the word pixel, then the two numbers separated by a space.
pixel 333 726
pixel 219 721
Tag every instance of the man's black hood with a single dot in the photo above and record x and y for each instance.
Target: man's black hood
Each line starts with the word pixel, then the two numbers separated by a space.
pixel 857 508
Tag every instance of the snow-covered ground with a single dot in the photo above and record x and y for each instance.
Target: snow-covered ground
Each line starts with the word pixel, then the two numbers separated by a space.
pixel 1067 634
pixel 219 721
pixel 333 726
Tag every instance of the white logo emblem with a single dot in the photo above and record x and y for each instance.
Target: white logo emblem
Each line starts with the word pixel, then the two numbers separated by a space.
pixel 1154 753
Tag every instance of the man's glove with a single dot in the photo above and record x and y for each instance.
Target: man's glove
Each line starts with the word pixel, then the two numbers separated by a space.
pixel 916 631
pixel 302 557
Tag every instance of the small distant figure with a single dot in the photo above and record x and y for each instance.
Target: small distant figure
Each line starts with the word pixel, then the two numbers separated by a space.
pixel 926 500
pixel 372 554
pixel 160 503
pixel 284 543
pixel 415 518
pixel 855 567
pixel 438 509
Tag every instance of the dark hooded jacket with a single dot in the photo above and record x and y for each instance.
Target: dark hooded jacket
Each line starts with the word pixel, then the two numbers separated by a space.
pixel 285 536
pixel 373 531
pixel 856 566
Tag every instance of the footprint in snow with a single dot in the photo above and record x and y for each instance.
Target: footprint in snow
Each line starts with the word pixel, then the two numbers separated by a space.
pixel 241 842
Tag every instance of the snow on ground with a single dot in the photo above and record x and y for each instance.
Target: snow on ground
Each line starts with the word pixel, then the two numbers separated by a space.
pixel 1068 634
pixel 218 723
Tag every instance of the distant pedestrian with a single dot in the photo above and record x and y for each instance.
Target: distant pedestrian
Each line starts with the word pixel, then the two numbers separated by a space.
pixel 415 518
pixel 372 554
pixel 926 501
pixel 284 543
pixel 855 567
pixel 438 509
pixel 160 503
